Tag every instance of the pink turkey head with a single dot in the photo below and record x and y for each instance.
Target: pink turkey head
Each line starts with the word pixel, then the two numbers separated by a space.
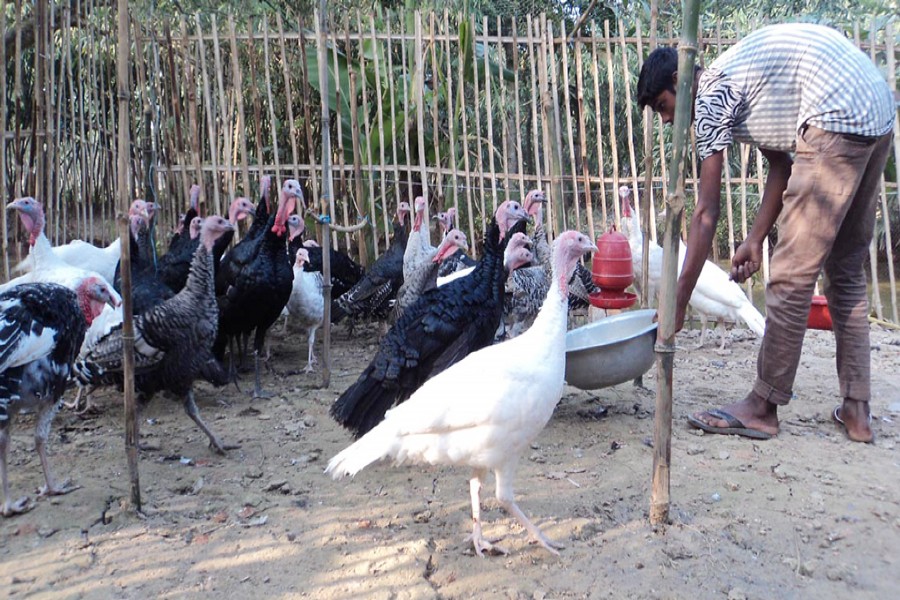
pixel 196 222
pixel 420 212
pixel 195 197
pixel 296 226
pixel 239 209
pixel 290 193
pixel 31 214
pixel 508 214
pixel 570 246
pixel 534 205
pixel 265 185
pixel 302 257
pixel 93 293
pixel 402 212
pixel 452 242
pixel 212 229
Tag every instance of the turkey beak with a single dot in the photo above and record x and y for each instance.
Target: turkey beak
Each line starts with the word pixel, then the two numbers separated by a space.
pixel 14 205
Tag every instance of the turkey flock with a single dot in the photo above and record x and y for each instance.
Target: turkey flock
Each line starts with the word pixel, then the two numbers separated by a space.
pixel 468 371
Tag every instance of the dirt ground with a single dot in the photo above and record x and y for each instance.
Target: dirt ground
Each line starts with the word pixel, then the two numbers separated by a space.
pixel 805 515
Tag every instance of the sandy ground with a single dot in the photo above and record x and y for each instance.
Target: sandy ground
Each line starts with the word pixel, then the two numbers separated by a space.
pixel 805 515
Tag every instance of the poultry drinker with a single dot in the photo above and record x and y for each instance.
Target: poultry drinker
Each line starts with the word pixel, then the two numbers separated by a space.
pixel 612 272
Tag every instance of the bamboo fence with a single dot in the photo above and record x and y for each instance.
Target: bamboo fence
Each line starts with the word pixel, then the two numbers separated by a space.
pixel 464 111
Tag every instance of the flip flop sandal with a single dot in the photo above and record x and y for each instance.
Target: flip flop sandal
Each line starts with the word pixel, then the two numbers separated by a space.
pixel 735 427
pixel 836 417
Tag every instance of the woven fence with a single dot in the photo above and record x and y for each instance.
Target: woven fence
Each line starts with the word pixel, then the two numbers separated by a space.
pixel 465 111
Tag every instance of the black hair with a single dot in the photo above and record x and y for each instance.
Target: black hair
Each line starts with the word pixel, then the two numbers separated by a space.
pixel 657 75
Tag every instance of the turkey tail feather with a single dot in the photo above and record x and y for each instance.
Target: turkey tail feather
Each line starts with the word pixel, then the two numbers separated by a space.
pixel 753 319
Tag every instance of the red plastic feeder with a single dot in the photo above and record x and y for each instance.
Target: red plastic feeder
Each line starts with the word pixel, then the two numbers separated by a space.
pixel 819 317
pixel 612 272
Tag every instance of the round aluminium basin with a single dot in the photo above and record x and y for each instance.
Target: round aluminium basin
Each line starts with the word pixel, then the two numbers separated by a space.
pixel 610 351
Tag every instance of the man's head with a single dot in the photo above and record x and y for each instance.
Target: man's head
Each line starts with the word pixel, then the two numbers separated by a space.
pixel 656 84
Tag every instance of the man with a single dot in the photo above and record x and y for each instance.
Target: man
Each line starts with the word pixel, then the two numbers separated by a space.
pixel 804 89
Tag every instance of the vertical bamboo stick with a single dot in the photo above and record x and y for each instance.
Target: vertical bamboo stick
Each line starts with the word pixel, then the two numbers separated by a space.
pixel 451 116
pixel 582 138
pixel 307 121
pixel 238 83
pixel 489 116
pixel 367 122
pixel 516 103
pixel 273 122
pixel 465 148
pixel 4 225
pixel 504 126
pixel 257 108
pixel 211 131
pixel 612 120
pixel 563 48
pixel 535 101
pixel 340 139
pixel 357 152
pixel 884 207
pixel 646 198
pixel 288 98
pixel 131 421
pixel 598 118
pixel 38 161
pixel 406 126
pixel 393 95
pixel 557 203
pixel 478 155
pixel 193 118
pixel 765 243
pixel 665 340
pixel 174 97
pixel 379 107
pixel 435 122
pixel 327 190
pixel 745 160
pixel 892 82
pixel 626 77
pixel 224 113
pixel 419 82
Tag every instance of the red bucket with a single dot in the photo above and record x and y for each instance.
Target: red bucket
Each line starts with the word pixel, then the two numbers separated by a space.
pixel 819 317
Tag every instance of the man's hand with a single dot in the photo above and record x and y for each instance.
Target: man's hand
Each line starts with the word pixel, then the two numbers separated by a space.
pixel 746 260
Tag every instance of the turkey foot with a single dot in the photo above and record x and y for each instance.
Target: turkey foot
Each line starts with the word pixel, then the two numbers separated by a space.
pixel 220 448
pixel 483 545
pixel 53 489
pixel 536 534
pixel 19 507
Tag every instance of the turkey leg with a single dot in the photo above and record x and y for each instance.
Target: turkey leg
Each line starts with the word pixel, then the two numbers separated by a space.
pixel 505 496
pixel 190 407
pixel 9 508
pixel 41 433
pixel 476 538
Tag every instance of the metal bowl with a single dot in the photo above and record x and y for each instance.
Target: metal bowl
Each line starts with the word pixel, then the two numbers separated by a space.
pixel 610 351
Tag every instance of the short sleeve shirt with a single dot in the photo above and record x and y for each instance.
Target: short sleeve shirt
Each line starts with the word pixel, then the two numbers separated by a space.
pixel 783 77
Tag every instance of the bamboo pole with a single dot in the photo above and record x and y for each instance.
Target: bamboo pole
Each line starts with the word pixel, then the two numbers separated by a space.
pixel 451 120
pixel 598 119
pixel 519 159
pixel 479 170
pixel 465 147
pixel 327 187
pixel 570 136
pixel 307 120
pixel 582 140
pixel 892 82
pixel 647 199
pixel 193 117
pixel 379 107
pixel 557 201
pixel 288 94
pixel 629 122
pixel 765 242
pixel 211 131
pixel 361 248
pixel 270 101
pixel 4 224
pixel 368 130
pixel 665 340
pixel 238 83
pixel 131 421
pixel 504 122
pixel 393 95
pixel 612 120
pixel 224 115
pixel 435 121
pixel 536 100
pixel 745 160
pixel 489 117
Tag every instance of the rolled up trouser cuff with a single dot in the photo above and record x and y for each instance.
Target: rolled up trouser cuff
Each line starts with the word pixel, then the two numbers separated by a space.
pixel 770 394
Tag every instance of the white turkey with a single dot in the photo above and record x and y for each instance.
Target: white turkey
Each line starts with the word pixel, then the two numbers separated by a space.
pixel 48 268
pixel 41 328
pixel 715 295
pixel 306 304
pixel 172 341
pixel 485 410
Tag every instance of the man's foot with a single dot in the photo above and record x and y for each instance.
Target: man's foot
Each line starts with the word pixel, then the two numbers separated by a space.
pixel 854 416
pixel 752 414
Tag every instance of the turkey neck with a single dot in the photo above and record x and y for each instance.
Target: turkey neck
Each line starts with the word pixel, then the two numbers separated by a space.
pixel 200 277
